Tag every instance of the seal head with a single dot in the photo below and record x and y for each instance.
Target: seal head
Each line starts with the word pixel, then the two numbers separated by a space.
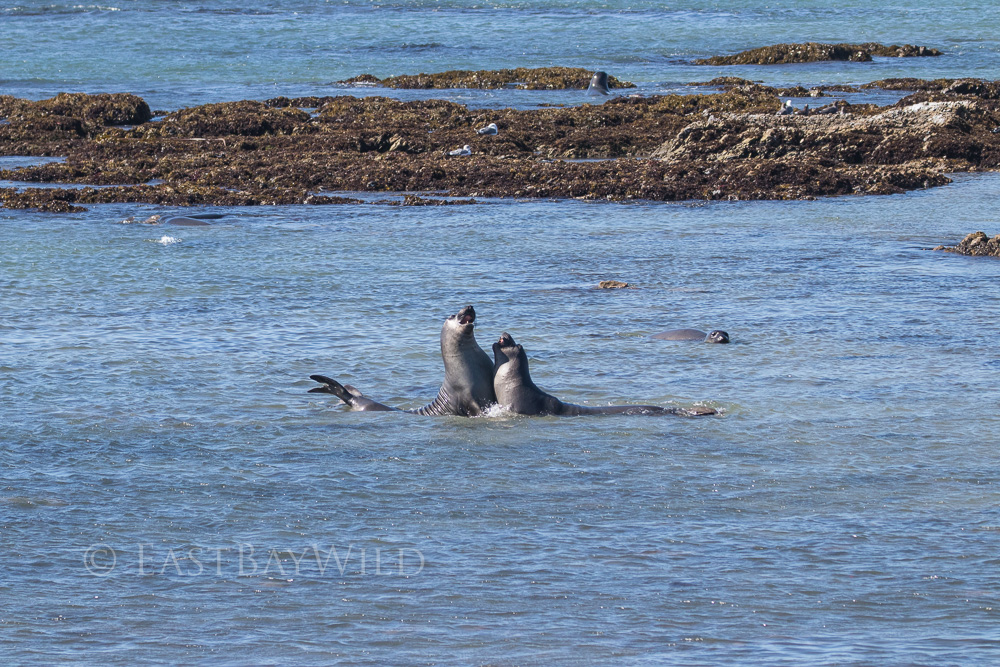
pixel 598 84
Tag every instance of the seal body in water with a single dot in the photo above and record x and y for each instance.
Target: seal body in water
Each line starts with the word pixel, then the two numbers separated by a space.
pixel 467 389
pixel 598 84
pixel 516 392
pixel 715 336
pixel 187 221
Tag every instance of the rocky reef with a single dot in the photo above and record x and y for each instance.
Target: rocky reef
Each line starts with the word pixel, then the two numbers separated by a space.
pixel 809 52
pixel 728 145
pixel 541 78
pixel 976 244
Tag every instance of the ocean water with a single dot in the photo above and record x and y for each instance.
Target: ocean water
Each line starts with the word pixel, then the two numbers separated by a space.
pixel 171 493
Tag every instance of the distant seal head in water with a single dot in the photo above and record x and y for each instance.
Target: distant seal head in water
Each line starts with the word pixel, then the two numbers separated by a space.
pixel 598 84
pixel 467 389
pixel 715 336
pixel 516 392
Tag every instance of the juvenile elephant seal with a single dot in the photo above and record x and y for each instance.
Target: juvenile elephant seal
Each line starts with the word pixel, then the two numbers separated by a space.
pixel 598 84
pixel 715 336
pixel 516 392
pixel 185 221
pixel 467 389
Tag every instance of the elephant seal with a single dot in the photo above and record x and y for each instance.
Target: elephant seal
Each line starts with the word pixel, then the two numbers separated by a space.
pixel 184 221
pixel 598 84
pixel 715 336
pixel 467 389
pixel 516 392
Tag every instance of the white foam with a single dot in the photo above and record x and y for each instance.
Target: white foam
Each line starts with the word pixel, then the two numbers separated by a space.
pixel 497 410
pixel 166 240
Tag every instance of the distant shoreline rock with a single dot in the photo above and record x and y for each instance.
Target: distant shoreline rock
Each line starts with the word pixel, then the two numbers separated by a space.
pixel 810 52
pixel 522 78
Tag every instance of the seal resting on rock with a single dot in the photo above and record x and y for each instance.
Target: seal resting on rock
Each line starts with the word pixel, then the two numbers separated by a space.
pixel 715 336
pixel 467 389
pixel 517 393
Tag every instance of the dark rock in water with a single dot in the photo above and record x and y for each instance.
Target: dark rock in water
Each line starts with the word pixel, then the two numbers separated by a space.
pixel 976 244
pixel 613 284
pixel 541 78
pixel 808 52
pixel 413 200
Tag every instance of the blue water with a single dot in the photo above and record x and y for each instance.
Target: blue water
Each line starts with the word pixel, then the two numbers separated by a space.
pixel 170 492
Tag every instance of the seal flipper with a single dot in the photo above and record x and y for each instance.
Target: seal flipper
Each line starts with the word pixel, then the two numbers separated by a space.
pixel 347 394
pixel 331 386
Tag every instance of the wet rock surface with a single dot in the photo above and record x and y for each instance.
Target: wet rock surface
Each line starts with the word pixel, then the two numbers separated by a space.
pixel 729 145
pixel 976 244
pixel 781 54
pixel 542 78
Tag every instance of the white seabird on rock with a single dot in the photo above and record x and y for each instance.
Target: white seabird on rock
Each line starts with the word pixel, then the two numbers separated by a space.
pixel 489 129
pixel 786 109
pixel 461 152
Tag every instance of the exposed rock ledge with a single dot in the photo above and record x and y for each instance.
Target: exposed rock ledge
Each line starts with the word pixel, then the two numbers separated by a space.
pixel 723 146
pixel 540 78
pixel 782 54
pixel 977 244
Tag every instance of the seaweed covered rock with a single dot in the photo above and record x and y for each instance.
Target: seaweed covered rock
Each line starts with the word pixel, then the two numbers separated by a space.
pixel 954 130
pixel 976 244
pixel 729 145
pixel 246 119
pixel 93 110
pixel 64 119
pixel 780 54
pixel 542 78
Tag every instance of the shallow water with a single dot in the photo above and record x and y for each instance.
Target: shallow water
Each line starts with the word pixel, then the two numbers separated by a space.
pixel 212 50
pixel 171 492
pixel 843 508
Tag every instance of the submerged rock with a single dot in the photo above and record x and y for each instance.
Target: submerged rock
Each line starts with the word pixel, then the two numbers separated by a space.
pixel 780 54
pixel 613 284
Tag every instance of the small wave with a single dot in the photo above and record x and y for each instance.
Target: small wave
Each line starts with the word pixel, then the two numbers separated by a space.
pixel 57 9
pixel 406 46
pixel 165 240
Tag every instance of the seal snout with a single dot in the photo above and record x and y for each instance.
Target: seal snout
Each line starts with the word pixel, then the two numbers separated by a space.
pixel 467 315
pixel 506 340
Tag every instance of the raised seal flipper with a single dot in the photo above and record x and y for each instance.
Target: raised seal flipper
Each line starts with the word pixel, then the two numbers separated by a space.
pixel 348 394
pixel 330 386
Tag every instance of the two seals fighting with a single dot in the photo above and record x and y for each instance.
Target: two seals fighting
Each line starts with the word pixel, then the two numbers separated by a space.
pixel 472 383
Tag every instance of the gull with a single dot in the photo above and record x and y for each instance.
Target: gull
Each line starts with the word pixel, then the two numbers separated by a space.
pixel 461 152
pixel 786 109
pixel 489 129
